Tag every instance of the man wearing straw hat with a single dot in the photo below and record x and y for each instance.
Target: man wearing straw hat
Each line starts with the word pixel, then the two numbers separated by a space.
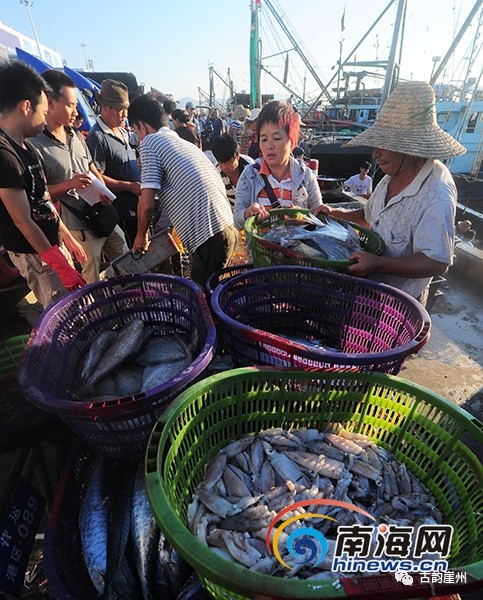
pixel 413 206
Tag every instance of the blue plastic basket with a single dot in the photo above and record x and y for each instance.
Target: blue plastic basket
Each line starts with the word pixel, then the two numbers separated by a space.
pixel 51 364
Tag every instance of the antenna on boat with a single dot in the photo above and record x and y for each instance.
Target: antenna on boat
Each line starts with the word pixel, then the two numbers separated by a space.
pixel 456 41
pixel 28 5
pixel 390 79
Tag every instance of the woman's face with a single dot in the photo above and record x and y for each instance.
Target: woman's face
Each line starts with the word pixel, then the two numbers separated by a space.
pixel 389 162
pixel 274 145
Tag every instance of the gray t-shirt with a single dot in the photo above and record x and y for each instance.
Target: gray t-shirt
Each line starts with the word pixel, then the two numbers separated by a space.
pixel 60 162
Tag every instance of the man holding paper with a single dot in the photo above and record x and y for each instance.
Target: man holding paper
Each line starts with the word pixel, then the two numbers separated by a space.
pixel 72 178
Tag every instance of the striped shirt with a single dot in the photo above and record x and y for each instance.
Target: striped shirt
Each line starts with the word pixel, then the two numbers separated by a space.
pixel 230 189
pixel 281 189
pixel 191 190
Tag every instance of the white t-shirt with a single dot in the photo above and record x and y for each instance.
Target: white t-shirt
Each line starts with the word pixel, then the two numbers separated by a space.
pixel 359 186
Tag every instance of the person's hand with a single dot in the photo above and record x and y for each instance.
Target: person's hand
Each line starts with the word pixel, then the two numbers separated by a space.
pixel 256 209
pixel 69 277
pixel 80 181
pixel 105 200
pixel 76 250
pixel 141 244
pixel 323 208
pixel 135 187
pixel 366 264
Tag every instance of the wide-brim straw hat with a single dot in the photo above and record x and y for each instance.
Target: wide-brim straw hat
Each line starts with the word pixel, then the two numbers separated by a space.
pixel 407 124
pixel 241 112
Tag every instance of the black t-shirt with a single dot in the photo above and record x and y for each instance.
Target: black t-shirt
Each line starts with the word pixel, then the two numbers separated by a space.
pixel 20 168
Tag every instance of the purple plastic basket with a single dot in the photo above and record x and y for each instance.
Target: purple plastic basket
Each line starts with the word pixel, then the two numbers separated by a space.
pixel 52 361
pixel 63 561
pixel 374 326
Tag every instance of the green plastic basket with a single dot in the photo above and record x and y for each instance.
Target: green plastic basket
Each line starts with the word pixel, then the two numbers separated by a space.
pixel 269 254
pixel 10 351
pixel 426 432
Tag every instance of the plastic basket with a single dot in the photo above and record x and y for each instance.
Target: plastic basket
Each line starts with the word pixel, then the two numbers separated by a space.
pixel 267 253
pixel 162 246
pixel 63 561
pixel 10 351
pixel 54 356
pixel 374 326
pixel 431 436
pixel 223 276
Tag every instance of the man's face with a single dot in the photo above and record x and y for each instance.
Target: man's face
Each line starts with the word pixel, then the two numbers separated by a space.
pixel 35 121
pixel 231 166
pixel 113 117
pixel 389 162
pixel 63 111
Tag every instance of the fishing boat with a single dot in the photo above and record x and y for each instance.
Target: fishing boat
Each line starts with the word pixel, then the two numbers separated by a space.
pixel 459 107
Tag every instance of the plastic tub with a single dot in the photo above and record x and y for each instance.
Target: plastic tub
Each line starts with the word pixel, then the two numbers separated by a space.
pixel 374 326
pixel 431 436
pixel 267 253
pixel 52 361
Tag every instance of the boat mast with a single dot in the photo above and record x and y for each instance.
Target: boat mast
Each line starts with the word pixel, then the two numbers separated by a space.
pixel 255 96
pixel 389 80
pixel 456 41
pixel 297 47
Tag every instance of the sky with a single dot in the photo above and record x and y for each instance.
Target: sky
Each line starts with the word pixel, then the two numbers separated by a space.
pixel 170 46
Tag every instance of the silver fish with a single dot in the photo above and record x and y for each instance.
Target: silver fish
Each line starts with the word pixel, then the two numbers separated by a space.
pixel 145 535
pixel 155 376
pixel 96 351
pixel 93 519
pixel 127 343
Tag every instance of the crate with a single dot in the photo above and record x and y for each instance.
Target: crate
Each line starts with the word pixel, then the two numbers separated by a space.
pixel 162 247
pixel 223 276
pixel 423 430
pixel 63 561
pixel 375 326
pixel 52 361
pixel 267 253
pixel 10 351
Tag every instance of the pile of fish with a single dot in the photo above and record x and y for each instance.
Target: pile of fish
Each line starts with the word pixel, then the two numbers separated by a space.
pixel 252 479
pixel 133 359
pixel 331 240
pixel 125 553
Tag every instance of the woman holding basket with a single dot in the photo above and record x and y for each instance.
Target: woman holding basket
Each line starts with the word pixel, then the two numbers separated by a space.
pixel 276 180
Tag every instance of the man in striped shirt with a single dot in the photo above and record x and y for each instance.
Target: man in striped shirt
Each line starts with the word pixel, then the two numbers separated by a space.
pixel 190 190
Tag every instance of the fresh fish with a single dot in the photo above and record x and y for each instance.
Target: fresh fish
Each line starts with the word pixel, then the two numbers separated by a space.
pixel 93 520
pixel 168 348
pixel 96 351
pixel 318 464
pixel 217 504
pixel 253 518
pixel 145 535
pixel 128 381
pixel 154 376
pixel 214 471
pixel 127 343
pixel 235 486
pixel 175 570
pixel 343 444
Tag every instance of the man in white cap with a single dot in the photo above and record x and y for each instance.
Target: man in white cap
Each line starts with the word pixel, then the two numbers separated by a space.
pixel 413 206
pixel 190 109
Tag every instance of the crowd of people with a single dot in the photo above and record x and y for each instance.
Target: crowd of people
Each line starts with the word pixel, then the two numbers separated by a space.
pixel 204 175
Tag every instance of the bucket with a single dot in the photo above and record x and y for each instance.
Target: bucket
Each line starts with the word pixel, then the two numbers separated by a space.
pixel 313 165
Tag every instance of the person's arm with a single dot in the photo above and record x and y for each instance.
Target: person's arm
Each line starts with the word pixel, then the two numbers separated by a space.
pixel 145 214
pixel 313 191
pixel 413 266
pixel 116 185
pixel 352 215
pixel 244 207
pixel 78 182
pixel 76 250
pixel 18 207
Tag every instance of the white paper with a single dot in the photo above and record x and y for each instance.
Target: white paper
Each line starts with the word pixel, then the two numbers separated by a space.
pixel 93 192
